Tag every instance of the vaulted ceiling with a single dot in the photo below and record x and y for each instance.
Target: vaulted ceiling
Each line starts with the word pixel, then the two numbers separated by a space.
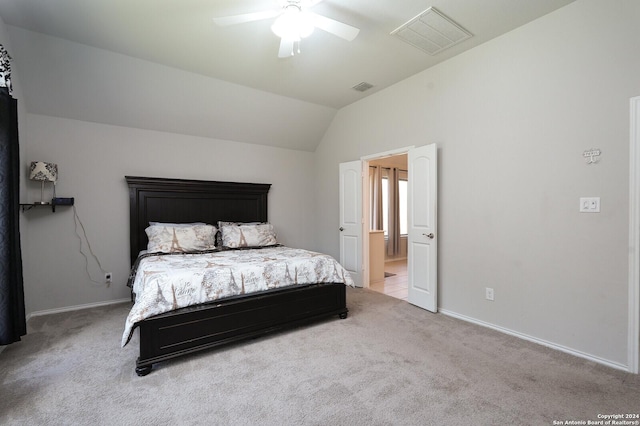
pixel 318 81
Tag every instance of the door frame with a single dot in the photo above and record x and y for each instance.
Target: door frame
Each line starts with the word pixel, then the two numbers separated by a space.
pixel 633 339
pixel 366 206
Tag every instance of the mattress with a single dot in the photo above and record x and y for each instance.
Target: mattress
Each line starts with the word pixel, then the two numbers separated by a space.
pixel 166 282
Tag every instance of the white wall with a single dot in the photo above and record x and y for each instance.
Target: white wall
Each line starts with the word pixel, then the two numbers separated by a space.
pixel 93 160
pixel 512 118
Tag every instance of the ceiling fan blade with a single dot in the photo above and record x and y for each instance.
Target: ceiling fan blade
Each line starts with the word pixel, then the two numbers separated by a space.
pixel 286 48
pixel 311 3
pixel 334 27
pixel 246 17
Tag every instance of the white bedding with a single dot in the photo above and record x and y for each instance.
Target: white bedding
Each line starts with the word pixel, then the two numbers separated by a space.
pixel 166 283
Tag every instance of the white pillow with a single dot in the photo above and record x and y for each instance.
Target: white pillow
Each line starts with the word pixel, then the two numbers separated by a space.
pixel 235 235
pixel 178 238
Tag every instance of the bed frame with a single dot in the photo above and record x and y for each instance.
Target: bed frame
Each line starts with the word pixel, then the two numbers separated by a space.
pixel 196 328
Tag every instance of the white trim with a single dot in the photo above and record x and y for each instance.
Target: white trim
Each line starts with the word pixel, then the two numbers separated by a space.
pixel 366 277
pixel 551 345
pixel 633 345
pixel 75 308
pixel 391 153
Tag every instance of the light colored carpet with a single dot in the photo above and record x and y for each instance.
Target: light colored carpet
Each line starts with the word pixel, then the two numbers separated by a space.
pixel 389 363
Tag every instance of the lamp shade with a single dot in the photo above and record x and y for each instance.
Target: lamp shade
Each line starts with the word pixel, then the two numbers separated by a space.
pixel 43 171
pixel 293 24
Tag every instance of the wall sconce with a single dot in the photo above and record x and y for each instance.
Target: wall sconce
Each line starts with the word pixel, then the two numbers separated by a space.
pixel 43 172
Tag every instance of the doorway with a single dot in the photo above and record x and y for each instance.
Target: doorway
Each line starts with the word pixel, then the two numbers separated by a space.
pixel 422 239
pixel 395 282
pixel 387 222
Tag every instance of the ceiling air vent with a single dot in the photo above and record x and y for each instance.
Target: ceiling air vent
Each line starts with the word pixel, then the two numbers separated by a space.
pixel 361 87
pixel 431 32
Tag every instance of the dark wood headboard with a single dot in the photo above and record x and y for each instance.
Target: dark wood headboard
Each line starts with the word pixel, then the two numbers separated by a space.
pixel 183 201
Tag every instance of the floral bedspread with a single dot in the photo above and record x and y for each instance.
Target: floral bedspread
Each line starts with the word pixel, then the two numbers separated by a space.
pixel 163 283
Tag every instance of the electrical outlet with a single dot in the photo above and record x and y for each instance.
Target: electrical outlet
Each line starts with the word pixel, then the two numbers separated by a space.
pixel 489 293
pixel 107 277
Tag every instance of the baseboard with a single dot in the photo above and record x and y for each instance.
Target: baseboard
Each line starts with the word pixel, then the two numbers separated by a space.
pixel 75 308
pixel 542 342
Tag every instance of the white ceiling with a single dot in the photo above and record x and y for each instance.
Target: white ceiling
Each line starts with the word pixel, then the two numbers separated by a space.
pixel 181 34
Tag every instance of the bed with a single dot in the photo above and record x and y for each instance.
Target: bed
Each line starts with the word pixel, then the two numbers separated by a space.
pixel 200 327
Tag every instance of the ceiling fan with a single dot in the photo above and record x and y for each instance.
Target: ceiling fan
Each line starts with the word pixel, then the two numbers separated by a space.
pixel 293 23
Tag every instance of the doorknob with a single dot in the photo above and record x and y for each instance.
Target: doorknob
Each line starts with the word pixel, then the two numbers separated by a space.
pixel 430 235
pixel 341 229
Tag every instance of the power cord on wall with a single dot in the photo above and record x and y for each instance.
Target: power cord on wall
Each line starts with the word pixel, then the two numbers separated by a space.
pixel 77 221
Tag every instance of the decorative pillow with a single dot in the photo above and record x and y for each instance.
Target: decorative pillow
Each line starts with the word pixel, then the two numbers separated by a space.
pixel 253 234
pixel 178 238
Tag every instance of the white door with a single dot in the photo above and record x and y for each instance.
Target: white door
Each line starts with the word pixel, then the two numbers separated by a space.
pixel 422 240
pixel 351 219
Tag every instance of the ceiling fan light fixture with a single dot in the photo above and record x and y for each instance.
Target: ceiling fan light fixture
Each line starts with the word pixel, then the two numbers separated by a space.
pixel 293 24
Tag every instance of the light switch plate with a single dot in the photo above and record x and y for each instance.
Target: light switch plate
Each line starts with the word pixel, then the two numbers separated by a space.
pixel 590 204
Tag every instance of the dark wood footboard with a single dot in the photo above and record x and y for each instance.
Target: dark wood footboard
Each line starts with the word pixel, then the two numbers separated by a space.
pixel 202 327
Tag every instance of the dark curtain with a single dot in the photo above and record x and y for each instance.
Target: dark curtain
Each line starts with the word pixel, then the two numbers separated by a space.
pixel 12 312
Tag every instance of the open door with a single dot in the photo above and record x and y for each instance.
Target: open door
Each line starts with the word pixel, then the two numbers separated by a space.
pixel 422 236
pixel 351 219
